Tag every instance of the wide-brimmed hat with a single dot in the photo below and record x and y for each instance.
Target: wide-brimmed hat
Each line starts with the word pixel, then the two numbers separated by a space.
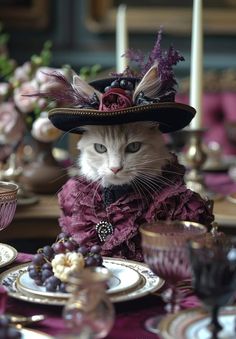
pixel 170 115
pixel 147 95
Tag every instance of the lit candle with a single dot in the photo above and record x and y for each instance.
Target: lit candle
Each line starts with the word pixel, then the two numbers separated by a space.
pixel 196 64
pixel 121 39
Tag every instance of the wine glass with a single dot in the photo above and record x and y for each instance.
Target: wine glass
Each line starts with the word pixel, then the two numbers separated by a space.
pixel 213 263
pixel 165 252
pixel 8 202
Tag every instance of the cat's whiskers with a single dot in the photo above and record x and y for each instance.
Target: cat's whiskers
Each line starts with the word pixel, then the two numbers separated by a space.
pixel 148 184
pixel 140 192
pixel 96 188
pixel 158 178
pixel 154 176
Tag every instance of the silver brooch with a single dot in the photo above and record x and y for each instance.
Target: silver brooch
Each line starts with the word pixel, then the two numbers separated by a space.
pixel 104 228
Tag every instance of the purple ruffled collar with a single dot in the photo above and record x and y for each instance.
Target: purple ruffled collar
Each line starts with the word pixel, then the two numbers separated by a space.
pixel 83 208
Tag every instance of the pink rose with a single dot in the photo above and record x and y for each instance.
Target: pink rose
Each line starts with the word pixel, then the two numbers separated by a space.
pixel 22 73
pixel 4 89
pixel 115 98
pixel 43 130
pixel 12 125
pixel 24 103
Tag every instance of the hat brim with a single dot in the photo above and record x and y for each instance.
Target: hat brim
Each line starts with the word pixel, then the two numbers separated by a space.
pixel 171 116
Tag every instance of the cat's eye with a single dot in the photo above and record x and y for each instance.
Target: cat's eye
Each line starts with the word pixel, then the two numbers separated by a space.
pixel 133 147
pixel 100 148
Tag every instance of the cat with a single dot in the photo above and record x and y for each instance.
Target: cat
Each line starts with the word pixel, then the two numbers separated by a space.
pixel 127 177
pixel 131 153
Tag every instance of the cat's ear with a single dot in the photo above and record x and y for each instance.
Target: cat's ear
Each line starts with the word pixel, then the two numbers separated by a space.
pixel 84 88
pixel 150 84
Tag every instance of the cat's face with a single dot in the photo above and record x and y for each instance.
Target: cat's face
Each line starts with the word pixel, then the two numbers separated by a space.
pixel 117 155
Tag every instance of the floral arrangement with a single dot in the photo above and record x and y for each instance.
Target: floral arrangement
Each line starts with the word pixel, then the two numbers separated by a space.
pixel 19 112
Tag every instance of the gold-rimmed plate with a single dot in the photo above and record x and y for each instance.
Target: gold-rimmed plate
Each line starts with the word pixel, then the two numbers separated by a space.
pixel 147 283
pixel 7 254
pixel 193 324
pixel 123 279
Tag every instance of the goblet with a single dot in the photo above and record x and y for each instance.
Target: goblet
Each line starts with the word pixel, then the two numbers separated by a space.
pixel 213 263
pixel 8 201
pixel 165 252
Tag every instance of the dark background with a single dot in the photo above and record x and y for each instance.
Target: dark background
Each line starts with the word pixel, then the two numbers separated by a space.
pixel 82 34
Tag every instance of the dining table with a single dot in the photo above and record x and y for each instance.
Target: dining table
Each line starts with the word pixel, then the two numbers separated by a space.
pixel 130 315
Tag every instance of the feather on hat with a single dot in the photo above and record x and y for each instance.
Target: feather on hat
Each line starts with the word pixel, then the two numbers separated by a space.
pixel 128 97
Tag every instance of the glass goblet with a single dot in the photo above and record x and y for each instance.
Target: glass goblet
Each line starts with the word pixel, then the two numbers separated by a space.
pixel 213 263
pixel 165 252
pixel 8 202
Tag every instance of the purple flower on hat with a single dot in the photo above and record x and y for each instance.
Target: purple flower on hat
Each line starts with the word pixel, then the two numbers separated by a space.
pixel 115 98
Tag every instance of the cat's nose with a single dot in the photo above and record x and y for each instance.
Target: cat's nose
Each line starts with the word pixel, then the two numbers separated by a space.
pixel 116 169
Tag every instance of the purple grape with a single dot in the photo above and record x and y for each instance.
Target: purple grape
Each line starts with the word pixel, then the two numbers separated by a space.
pixel 38 259
pixel 52 283
pixel 62 288
pixel 95 249
pixel 46 274
pixel 46 266
pixel 63 235
pixel 69 245
pixel 31 267
pixel 48 252
pixel 90 261
pixel 98 259
pixel 115 84
pixel 59 247
pixel 83 250
pixel 34 274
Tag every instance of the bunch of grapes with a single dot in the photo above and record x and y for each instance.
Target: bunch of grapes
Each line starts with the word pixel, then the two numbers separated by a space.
pixel 40 269
pixel 6 331
pixel 121 83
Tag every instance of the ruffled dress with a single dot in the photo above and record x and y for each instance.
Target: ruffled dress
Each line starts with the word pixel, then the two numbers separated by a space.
pixel 83 207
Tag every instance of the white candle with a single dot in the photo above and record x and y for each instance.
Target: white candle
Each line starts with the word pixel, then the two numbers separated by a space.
pixel 196 64
pixel 121 39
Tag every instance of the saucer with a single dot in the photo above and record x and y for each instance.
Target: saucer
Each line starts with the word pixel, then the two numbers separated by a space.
pixel 7 254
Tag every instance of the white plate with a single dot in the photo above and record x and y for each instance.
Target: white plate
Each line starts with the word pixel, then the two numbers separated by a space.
pixel 193 324
pixel 7 254
pixel 123 279
pixel 29 334
pixel 148 283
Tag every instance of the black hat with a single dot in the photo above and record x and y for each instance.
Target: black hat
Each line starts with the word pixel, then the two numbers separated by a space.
pixel 123 98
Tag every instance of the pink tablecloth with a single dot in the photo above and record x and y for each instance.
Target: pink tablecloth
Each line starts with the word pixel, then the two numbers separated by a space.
pixel 130 315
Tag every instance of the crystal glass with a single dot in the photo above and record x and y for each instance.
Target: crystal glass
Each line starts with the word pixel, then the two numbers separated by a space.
pixel 8 201
pixel 89 309
pixel 213 263
pixel 165 252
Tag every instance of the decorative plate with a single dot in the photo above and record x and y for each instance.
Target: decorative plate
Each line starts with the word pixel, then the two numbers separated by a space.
pixel 193 324
pixel 7 254
pixel 147 283
pixel 123 279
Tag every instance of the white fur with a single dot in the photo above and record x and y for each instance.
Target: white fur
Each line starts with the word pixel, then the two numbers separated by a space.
pixel 148 161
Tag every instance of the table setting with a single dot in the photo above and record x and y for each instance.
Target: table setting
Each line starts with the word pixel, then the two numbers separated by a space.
pixel 134 292
pixel 133 264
